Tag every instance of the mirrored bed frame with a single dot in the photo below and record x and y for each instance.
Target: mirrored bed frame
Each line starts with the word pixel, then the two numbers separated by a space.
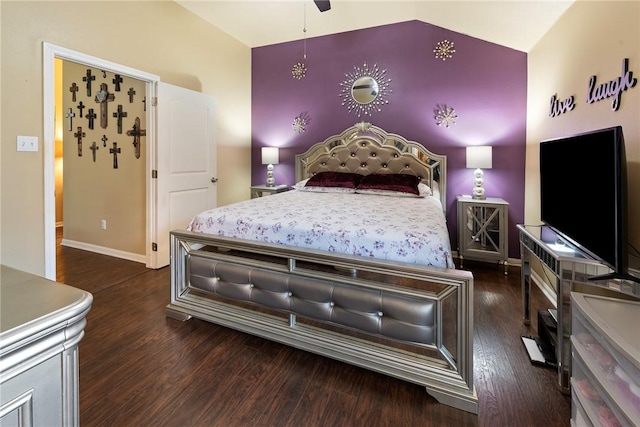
pixel 404 320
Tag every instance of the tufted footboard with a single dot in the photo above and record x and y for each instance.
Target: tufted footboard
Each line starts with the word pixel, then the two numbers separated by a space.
pixel 406 321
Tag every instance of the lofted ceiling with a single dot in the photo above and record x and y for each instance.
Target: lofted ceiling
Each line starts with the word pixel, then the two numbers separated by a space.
pixel 518 24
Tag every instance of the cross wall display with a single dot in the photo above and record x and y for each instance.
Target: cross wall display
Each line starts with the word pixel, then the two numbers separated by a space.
pixel 87 106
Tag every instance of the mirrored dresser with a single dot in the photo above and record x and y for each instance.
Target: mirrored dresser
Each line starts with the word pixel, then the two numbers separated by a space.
pixel 41 323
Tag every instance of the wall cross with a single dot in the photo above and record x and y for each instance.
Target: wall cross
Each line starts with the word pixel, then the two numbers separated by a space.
pixel 117 79
pixel 115 150
pixel 88 78
pixel 91 116
pixel 93 148
pixel 104 140
pixel 81 107
pixel 103 97
pixel 79 135
pixel 70 115
pixel 131 93
pixel 73 89
pixel 136 132
pixel 119 115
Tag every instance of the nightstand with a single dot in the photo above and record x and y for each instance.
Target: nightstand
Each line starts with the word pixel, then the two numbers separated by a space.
pixel 263 190
pixel 482 230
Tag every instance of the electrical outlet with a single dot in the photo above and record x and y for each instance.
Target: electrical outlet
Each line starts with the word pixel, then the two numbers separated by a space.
pixel 103 224
pixel 27 143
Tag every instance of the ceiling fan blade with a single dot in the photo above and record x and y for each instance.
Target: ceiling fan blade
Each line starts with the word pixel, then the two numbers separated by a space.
pixel 323 5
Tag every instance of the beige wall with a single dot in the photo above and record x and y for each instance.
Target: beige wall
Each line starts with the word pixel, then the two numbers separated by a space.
pixel 156 37
pixel 591 38
pixel 93 189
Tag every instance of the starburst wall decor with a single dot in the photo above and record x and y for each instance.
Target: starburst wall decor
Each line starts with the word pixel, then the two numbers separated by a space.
pixel 299 70
pixel 444 50
pixel 300 123
pixel 445 115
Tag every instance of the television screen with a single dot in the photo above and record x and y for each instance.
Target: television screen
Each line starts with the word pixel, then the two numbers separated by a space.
pixel 583 193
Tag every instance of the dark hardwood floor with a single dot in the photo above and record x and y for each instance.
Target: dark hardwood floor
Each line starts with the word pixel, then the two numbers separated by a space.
pixel 139 368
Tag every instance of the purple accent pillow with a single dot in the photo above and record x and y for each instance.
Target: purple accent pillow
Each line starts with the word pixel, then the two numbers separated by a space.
pixel 401 183
pixel 334 179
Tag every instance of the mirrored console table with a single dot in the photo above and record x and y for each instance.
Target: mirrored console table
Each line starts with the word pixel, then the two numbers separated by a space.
pixel 568 266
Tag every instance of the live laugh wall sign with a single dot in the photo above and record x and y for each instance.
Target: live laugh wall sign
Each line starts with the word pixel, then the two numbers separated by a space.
pixel 598 91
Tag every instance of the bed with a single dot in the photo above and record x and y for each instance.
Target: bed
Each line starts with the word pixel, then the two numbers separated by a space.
pixel 361 274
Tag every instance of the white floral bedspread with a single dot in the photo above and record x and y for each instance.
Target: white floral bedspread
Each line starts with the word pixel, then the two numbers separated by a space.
pixel 405 229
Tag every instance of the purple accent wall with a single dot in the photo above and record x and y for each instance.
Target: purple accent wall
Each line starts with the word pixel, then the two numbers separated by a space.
pixel 485 83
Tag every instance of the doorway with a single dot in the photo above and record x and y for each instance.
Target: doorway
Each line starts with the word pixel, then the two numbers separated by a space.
pixel 100 168
pixel 50 54
pixel 180 161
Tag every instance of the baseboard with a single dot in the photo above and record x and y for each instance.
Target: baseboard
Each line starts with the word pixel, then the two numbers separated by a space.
pixel 104 251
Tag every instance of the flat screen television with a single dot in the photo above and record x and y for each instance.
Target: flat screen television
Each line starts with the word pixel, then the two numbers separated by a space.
pixel 583 189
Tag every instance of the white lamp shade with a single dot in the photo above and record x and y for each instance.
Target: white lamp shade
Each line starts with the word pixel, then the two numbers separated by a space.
pixel 479 157
pixel 270 156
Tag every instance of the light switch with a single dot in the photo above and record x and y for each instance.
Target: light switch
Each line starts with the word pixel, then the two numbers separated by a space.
pixel 27 143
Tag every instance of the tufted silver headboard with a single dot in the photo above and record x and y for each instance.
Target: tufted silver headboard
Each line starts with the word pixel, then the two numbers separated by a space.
pixel 367 149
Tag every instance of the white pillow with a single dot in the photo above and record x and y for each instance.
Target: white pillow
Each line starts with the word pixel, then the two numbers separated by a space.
pixel 300 185
pixel 424 190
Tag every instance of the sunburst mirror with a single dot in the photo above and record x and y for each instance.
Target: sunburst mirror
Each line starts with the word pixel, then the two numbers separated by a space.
pixel 365 90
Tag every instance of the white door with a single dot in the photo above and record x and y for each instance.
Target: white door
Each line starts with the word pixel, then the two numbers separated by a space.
pixel 186 161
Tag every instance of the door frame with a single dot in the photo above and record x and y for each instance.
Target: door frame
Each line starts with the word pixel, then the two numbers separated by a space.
pixel 50 53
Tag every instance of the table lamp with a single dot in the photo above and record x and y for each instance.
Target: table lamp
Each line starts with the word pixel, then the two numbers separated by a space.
pixel 479 158
pixel 270 157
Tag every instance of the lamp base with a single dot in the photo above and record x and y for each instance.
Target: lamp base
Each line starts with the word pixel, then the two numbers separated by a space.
pixel 479 196
pixel 478 190
pixel 271 182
